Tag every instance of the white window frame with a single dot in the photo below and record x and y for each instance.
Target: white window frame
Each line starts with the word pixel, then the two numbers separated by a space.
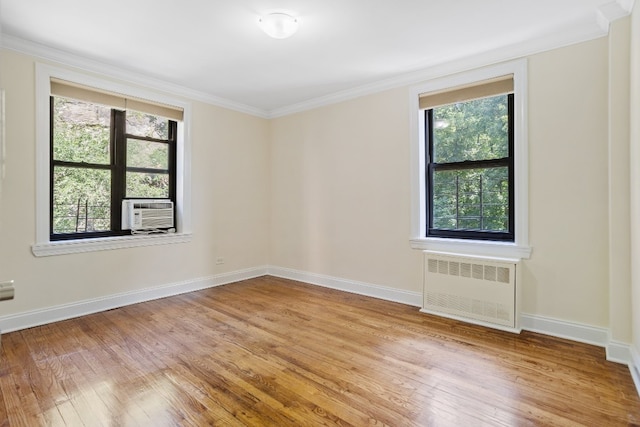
pixel 43 245
pixel 419 204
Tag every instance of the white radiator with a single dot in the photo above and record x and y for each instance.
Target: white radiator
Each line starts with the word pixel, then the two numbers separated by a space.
pixel 473 289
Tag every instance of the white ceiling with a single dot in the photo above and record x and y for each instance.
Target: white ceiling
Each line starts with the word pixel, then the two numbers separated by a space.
pixel 214 47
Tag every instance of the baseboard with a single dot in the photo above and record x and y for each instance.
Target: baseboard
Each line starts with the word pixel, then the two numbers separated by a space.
pixel 361 288
pixel 634 367
pixel 67 311
pixel 563 329
pixel 619 352
pixel 616 352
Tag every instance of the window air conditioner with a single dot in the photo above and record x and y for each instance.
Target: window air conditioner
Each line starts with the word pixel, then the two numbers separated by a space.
pixel 147 214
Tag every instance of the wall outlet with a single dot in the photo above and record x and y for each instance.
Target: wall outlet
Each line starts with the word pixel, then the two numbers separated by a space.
pixel 219 261
pixel 7 291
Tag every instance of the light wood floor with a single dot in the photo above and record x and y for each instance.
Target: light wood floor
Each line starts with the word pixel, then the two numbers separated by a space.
pixel 275 352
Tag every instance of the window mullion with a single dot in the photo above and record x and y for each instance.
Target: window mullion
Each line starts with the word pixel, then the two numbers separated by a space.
pixel 82 165
pixel 474 164
pixel 119 160
pixel 429 174
pixel 148 170
pixel 512 180
pixel 51 166
pixel 173 132
pixel 146 138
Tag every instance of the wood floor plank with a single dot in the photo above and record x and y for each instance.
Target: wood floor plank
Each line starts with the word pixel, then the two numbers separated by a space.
pixel 274 352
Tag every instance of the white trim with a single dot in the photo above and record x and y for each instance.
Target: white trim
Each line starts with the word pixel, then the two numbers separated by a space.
pixel 634 367
pixel 520 248
pixel 43 246
pixel 626 5
pixel 521 49
pixel 581 32
pixel 67 311
pixel 618 352
pixel 61 57
pixel 351 286
pixel 64 247
pixel 562 329
pixel 612 11
pixel 477 248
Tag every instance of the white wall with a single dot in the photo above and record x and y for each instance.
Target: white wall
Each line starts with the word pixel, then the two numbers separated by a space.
pixel 340 189
pixel 230 197
pixel 326 191
pixel 340 192
pixel 619 182
pixel 567 276
pixel 635 182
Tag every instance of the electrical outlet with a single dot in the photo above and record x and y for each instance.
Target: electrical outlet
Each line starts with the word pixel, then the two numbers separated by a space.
pixel 219 261
pixel 7 291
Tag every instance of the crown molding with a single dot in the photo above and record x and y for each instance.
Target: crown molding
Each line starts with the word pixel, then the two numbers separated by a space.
pixel 612 11
pixel 627 5
pixel 573 35
pixel 581 32
pixel 89 65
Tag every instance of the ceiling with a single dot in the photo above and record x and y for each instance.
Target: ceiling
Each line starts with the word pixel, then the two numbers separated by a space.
pixel 215 47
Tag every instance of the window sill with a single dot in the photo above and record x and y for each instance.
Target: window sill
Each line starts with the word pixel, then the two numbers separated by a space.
pixel 472 247
pixel 64 247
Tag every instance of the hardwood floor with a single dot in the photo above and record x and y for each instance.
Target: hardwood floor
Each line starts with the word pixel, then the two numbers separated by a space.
pixel 275 352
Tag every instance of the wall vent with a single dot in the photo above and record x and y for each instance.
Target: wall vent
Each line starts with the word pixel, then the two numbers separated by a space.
pixel 477 290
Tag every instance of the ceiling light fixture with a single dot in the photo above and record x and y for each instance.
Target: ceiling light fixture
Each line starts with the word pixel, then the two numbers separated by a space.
pixel 278 25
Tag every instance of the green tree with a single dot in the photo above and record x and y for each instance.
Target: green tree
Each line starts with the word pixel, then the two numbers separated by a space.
pixel 471 198
pixel 81 145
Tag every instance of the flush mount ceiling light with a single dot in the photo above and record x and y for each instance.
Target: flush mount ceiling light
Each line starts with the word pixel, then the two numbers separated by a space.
pixel 278 25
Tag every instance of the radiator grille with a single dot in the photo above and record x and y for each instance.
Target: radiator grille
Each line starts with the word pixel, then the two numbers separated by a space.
pixel 477 271
pixel 477 290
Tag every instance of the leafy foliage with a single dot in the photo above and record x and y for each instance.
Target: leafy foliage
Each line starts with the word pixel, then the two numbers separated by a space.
pixel 471 198
pixel 81 196
pixel 82 185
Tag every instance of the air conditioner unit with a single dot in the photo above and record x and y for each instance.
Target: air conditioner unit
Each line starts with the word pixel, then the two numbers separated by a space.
pixel 147 214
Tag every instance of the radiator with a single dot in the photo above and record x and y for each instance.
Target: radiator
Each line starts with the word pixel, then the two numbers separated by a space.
pixel 478 290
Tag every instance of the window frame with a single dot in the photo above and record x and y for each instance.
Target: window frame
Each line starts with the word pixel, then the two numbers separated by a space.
pixel 44 245
pixel 518 248
pixel 433 166
pixel 118 169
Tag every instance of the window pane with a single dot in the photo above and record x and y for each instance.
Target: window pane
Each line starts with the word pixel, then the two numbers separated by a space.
pixel 80 131
pixel 81 200
pixel 147 185
pixel 471 199
pixel 141 124
pixel 147 154
pixel 473 130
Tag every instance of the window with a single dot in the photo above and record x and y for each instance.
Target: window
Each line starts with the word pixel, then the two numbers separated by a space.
pixel 100 156
pixel 99 142
pixel 469 163
pixel 470 169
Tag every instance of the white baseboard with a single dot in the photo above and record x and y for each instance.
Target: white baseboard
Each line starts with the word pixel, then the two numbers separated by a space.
pixel 354 287
pixel 563 329
pixel 67 311
pixel 619 352
pixel 634 367
pixel 616 351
